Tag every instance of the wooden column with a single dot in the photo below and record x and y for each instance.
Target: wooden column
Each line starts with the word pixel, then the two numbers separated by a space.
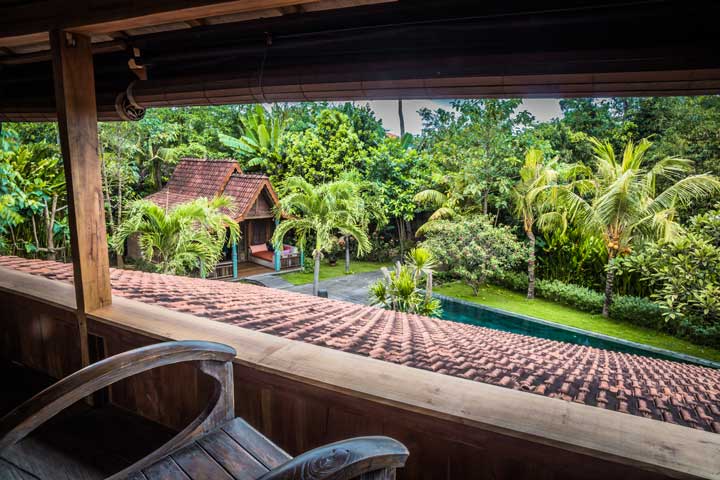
pixel 77 122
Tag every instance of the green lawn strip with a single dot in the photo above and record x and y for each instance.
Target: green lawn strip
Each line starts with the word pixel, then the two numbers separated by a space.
pixel 326 271
pixel 498 297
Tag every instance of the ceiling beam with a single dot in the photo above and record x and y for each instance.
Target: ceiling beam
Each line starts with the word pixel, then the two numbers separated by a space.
pixel 30 22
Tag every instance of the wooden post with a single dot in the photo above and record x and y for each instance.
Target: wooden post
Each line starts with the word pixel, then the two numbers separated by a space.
pixel 278 250
pixel 77 122
pixel 235 260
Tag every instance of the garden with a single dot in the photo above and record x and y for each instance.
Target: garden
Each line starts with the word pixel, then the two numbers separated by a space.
pixel 606 218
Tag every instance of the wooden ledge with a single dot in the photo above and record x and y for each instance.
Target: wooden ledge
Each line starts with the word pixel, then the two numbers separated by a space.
pixel 652 445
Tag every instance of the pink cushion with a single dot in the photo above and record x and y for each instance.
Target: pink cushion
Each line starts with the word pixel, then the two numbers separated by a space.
pixel 258 248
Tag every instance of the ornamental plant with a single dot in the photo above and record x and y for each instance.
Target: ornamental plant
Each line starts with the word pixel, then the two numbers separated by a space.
pixel 684 274
pixel 473 249
pixel 400 289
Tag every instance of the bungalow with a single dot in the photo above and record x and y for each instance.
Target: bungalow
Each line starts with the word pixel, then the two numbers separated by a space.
pixel 253 199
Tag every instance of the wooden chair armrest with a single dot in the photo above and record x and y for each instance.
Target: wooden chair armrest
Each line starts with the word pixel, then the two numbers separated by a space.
pixel 343 460
pixel 214 360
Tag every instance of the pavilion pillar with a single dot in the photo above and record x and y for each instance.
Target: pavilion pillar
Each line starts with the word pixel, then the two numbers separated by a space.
pixel 277 250
pixel 77 124
pixel 235 260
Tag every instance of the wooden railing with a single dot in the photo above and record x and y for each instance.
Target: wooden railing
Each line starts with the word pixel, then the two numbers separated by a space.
pixel 301 396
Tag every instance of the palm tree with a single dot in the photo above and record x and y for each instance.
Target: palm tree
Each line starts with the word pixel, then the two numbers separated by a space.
pixel 623 204
pixel 176 240
pixel 533 203
pixel 322 211
pixel 371 211
pixel 445 205
pixel 261 143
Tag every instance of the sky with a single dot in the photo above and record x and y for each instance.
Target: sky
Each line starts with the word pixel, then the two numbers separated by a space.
pixel 543 109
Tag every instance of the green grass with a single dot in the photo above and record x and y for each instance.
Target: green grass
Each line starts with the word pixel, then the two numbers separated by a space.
pixel 498 297
pixel 326 271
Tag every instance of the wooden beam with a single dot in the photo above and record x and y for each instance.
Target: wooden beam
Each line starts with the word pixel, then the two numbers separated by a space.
pixel 77 121
pixel 26 24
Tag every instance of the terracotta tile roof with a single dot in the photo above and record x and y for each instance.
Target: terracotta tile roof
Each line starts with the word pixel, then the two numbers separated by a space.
pixel 659 389
pixel 195 178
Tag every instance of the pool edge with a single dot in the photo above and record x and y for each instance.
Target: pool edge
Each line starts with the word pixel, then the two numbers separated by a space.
pixel 682 357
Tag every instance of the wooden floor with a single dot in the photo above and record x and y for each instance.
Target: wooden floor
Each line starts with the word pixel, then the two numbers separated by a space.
pixel 83 443
pixel 248 269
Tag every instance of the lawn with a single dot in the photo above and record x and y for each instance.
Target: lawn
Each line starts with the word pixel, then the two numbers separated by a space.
pixel 498 297
pixel 326 271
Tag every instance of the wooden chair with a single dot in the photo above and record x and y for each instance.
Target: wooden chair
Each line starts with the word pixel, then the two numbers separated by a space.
pixel 216 445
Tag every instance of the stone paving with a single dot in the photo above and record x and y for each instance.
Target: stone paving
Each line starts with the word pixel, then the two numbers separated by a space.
pixel 350 288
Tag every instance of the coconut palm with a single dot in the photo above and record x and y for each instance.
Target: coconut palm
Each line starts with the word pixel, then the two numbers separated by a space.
pixel 321 211
pixel 622 201
pixel 176 240
pixel 534 200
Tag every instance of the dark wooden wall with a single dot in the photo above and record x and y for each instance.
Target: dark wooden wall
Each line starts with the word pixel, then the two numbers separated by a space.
pixel 296 416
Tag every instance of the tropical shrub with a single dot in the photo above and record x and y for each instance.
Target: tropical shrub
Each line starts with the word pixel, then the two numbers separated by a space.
pixel 401 289
pixel 635 310
pixel 188 236
pixel 685 278
pixel 638 311
pixel 579 297
pixel 473 249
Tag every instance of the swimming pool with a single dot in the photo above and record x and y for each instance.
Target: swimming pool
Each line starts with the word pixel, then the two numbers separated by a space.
pixel 480 315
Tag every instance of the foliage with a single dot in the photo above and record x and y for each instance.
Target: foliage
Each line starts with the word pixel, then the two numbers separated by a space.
pixel 683 274
pixel 401 289
pixel 188 236
pixel 623 202
pixel 473 249
pixel 473 147
pixel 260 148
pixel 571 257
pixel 322 211
pixel 397 173
pixel 32 195
pixel 325 150
pixel 635 310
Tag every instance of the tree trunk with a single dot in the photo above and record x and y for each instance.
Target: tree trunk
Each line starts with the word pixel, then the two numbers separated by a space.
pixel 401 234
pixel 347 254
pixel 531 266
pixel 49 228
pixel 402 118
pixel 316 274
pixel 120 260
pixel 485 202
pixel 609 281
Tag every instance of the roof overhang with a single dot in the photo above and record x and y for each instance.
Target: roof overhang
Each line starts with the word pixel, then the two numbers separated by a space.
pixel 369 50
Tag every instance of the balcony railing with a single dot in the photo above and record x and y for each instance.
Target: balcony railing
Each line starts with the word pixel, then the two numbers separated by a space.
pixel 301 396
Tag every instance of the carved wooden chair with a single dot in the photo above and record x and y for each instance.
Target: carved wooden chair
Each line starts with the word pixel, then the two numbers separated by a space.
pixel 216 444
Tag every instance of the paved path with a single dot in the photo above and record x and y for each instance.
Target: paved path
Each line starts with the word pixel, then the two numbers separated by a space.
pixel 350 288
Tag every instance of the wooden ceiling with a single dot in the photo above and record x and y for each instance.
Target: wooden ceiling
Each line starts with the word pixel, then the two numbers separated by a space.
pixel 195 52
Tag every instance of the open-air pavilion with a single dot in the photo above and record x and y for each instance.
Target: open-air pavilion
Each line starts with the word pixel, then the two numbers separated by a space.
pixel 299 372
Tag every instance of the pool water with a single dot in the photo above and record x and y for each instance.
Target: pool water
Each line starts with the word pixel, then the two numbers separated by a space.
pixel 482 316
